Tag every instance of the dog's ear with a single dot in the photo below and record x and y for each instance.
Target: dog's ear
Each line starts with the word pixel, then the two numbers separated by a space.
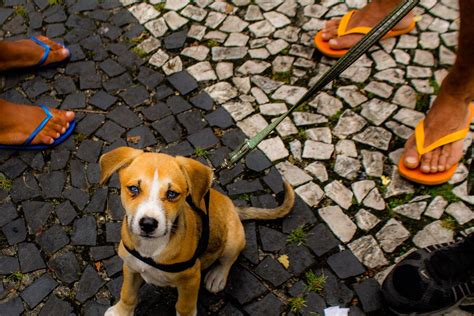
pixel 116 159
pixel 198 177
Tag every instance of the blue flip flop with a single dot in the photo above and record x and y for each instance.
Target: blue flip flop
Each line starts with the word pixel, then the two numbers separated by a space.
pixel 27 144
pixel 47 49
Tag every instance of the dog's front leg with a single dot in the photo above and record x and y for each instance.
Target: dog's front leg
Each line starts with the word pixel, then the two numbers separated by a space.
pixel 128 295
pixel 188 292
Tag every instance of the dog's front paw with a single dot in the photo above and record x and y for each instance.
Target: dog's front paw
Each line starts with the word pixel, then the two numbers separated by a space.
pixel 193 313
pixel 216 279
pixel 118 310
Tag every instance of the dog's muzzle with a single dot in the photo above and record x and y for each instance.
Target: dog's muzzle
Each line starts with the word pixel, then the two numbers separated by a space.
pixel 148 225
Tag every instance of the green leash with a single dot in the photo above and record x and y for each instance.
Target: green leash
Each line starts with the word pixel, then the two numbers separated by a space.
pixel 342 64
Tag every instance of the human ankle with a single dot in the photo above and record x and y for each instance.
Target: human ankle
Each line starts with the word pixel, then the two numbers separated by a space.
pixel 459 83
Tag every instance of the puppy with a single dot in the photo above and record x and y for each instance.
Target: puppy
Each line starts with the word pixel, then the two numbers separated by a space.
pixel 169 205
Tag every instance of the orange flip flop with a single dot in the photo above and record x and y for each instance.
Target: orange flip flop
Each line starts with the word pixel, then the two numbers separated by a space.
pixel 323 45
pixel 416 175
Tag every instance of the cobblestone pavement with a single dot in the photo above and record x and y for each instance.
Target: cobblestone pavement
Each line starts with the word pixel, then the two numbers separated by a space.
pixel 195 78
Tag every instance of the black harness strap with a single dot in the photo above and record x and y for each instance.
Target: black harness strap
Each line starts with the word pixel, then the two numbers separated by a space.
pixel 200 249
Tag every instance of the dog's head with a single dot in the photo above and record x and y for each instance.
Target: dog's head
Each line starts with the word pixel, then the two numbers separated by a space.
pixel 154 187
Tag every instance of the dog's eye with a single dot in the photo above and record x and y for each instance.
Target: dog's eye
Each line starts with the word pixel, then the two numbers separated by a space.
pixel 171 195
pixel 133 189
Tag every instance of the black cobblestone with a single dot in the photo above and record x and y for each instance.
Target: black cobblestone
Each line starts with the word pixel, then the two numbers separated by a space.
pixel 370 295
pixel 321 240
pixel 53 239
pixel 345 264
pixel 84 231
pixel 88 285
pixel 66 267
pixel 56 306
pixel 15 231
pixel 243 286
pixel 30 258
pixel 8 265
pixel 35 293
pixel 272 271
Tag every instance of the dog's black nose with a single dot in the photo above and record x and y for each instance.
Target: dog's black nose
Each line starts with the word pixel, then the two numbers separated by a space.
pixel 148 224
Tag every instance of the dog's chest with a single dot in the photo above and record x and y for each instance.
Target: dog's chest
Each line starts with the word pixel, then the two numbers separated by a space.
pixel 147 272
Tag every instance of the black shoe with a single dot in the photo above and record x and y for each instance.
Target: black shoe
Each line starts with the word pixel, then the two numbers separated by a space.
pixel 431 280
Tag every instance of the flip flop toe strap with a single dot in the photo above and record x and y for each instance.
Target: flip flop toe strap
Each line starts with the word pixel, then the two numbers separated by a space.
pixel 38 129
pixel 46 50
pixel 342 29
pixel 420 139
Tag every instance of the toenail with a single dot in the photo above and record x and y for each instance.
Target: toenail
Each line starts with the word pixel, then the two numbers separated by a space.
pixel 411 160
pixel 63 130
pixel 332 42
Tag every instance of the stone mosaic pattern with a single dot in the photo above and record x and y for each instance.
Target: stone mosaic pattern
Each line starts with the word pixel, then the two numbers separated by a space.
pixel 195 78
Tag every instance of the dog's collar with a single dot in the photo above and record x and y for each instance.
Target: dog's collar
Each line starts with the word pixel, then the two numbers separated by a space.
pixel 200 249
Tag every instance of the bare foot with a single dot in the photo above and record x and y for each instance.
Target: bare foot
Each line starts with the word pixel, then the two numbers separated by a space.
pixel 447 115
pixel 18 121
pixel 26 53
pixel 369 15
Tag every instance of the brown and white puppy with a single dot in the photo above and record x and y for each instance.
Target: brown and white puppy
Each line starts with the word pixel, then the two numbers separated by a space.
pixel 160 224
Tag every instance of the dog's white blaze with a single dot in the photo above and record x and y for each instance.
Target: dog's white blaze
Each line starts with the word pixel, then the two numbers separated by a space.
pixel 152 207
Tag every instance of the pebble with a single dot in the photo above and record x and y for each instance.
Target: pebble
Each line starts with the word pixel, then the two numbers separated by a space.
pixel 311 193
pixel 202 71
pixel 317 150
pixel 261 28
pixel 237 39
pixel 253 67
pixel 374 136
pixel 373 162
pixel 196 52
pixel 290 94
pixel 351 95
pixel 337 192
pixel 392 235
pixel 367 250
pixel 317 170
pixel 221 92
pixel 432 234
pixel 339 223
pixel 274 148
pixel 174 20
pixel 224 70
pixel 377 111
pixel 347 167
pixel 366 220
pixel 294 175
pixel 347 148
pixel 411 210
pixel 462 213
pixel 326 104
pixel 349 123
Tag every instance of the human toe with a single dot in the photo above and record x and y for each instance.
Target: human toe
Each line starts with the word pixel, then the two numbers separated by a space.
pixel 333 23
pixel 443 158
pixel 329 34
pixel 411 159
pixel 435 160
pixel 456 154
pixel 426 162
pixel 343 42
pixel 62 117
pixel 43 139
